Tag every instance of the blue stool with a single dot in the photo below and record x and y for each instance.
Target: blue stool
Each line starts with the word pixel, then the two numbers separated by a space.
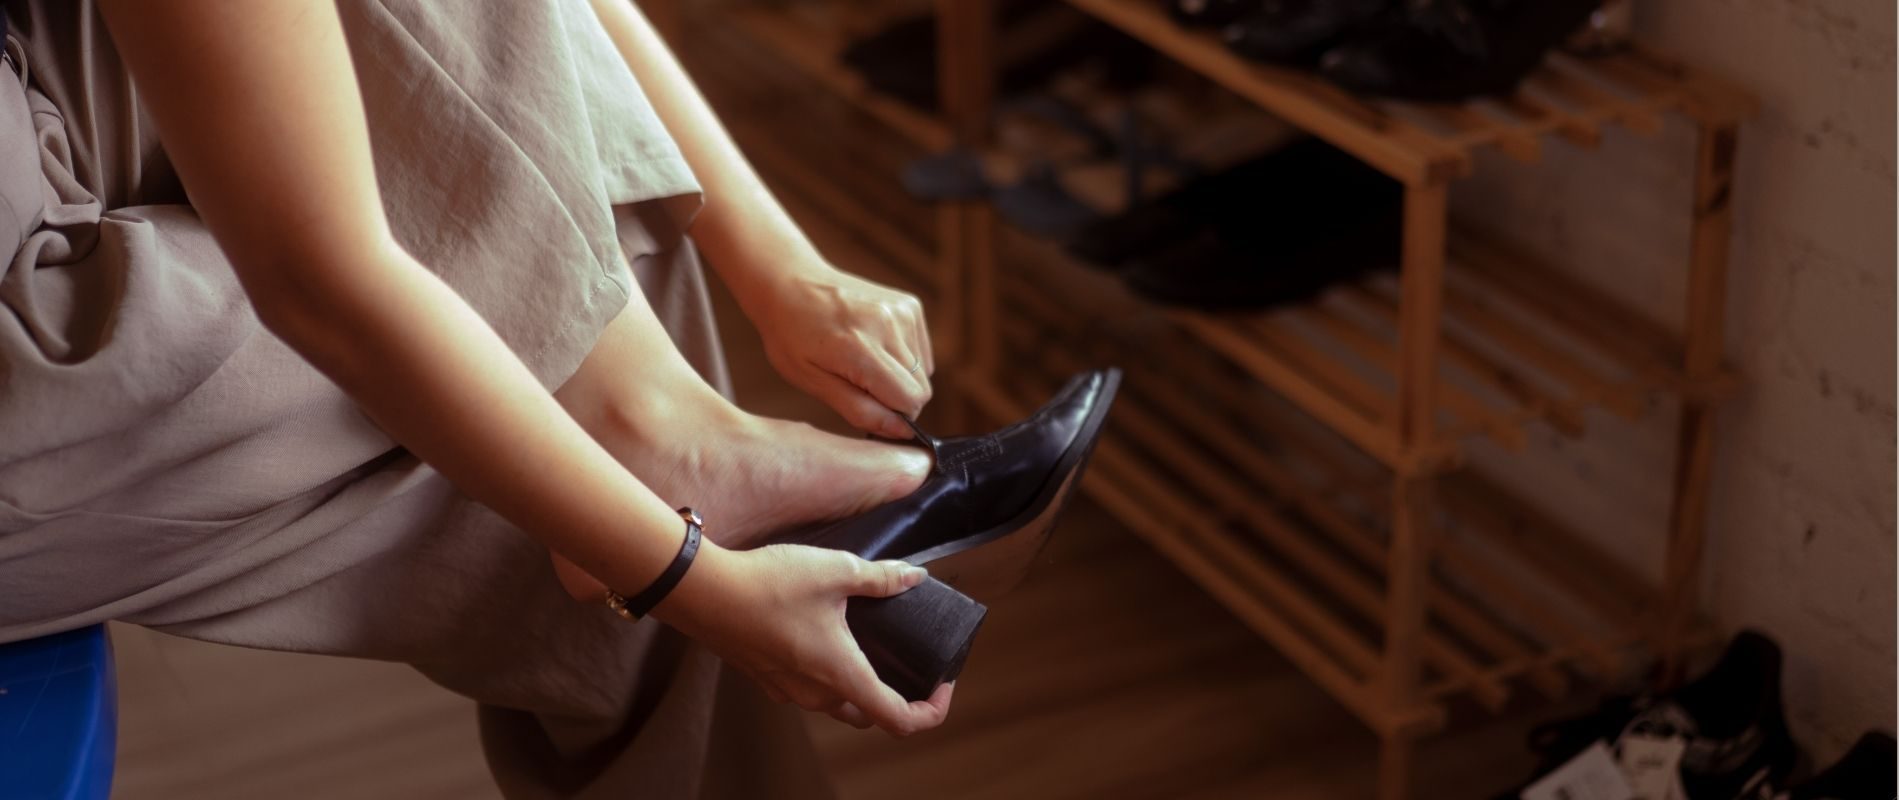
pixel 59 717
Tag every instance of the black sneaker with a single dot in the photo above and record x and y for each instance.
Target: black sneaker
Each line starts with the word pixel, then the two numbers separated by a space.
pixel 1864 773
pixel 1296 32
pixel 1210 13
pixel 1731 719
pixel 1449 50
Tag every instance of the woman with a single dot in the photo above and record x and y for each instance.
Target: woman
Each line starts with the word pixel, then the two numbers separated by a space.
pixel 437 212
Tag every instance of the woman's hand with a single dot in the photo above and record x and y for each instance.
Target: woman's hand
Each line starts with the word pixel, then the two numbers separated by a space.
pixel 777 614
pixel 860 347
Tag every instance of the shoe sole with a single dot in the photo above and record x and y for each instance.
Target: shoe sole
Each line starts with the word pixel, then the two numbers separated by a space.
pixel 988 564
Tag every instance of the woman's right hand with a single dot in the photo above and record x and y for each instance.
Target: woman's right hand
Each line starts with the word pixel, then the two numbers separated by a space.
pixel 777 614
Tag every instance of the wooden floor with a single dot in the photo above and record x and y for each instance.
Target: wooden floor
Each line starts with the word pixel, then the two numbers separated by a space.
pixel 1107 674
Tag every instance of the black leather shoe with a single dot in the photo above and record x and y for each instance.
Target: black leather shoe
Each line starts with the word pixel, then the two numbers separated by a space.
pixel 1449 50
pixel 1864 773
pixel 990 501
pixel 1297 32
pixel 1210 13
pixel 1730 720
pixel 977 521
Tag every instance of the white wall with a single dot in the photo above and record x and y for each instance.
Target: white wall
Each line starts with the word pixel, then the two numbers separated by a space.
pixel 1802 540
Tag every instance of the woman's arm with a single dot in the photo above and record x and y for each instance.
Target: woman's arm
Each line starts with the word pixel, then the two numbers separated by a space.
pixel 861 348
pixel 258 107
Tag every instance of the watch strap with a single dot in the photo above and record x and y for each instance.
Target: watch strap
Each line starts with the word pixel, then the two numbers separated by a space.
pixel 639 605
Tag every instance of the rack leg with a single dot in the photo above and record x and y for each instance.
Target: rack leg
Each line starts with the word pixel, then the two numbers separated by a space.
pixel 966 76
pixel 1394 767
pixel 1406 612
pixel 1703 343
pixel 1409 569
pixel 1420 308
pixel 949 319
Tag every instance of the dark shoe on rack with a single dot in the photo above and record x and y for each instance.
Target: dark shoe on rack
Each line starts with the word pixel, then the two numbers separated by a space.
pixel 1041 206
pixel 1277 204
pixel 1730 719
pixel 1210 13
pixel 1866 772
pixel 1297 32
pixel 1212 274
pixel 1036 41
pixel 1449 50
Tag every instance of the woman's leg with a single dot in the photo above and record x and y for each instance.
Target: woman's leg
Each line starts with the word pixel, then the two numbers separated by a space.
pixel 576 702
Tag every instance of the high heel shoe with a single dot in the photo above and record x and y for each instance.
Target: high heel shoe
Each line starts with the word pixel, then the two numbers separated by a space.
pixel 990 501
pixel 978 521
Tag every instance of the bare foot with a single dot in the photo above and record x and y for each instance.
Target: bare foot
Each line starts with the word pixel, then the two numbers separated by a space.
pixel 747 475
pixel 750 476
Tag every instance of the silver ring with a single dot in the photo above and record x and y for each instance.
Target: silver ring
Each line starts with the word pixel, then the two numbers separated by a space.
pixel 916 366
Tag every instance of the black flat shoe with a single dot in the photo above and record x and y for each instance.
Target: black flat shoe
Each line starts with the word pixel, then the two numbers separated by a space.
pixel 1210 13
pixel 977 522
pixel 1450 50
pixel 1297 32
pixel 1864 773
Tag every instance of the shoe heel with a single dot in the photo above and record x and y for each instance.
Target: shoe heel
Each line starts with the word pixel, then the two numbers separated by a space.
pixel 917 640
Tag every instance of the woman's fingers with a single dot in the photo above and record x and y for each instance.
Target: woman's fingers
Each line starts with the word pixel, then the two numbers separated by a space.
pixel 923 345
pixel 887 709
pixel 893 382
pixel 850 715
pixel 880 578
pixel 858 408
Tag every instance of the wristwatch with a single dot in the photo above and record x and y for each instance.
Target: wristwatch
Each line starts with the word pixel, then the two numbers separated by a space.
pixel 639 605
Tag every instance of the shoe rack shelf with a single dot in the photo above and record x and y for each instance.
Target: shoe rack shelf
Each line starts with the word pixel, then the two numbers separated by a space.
pixel 801 36
pixel 1287 524
pixel 1574 98
pixel 1303 464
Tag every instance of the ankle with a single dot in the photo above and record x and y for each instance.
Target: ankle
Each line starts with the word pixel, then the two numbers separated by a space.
pixel 657 422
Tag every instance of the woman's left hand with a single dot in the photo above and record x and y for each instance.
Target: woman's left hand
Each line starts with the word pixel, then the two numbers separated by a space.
pixel 860 347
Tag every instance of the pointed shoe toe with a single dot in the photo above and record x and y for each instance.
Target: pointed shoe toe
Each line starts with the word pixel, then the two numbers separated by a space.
pixel 990 501
pixel 978 522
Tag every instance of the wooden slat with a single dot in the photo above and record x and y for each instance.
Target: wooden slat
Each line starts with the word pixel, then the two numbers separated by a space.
pixel 1561 557
pixel 1618 397
pixel 1294 349
pixel 815 51
pixel 1365 547
pixel 1589 97
pixel 1554 626
pixel 1564 415
pixel 1474 128
pixel 1239 501
pixel 1498 423
pixel 1714 101
pixel 1298 603
pixel 1543 116
pixel 1546 659
pixel 1368 549
pixel 1167 522
pixel 1610 327
pixel 1394 147
pixel 1245 353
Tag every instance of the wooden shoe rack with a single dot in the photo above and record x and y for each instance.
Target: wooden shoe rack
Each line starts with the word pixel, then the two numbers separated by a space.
pixel 1306 465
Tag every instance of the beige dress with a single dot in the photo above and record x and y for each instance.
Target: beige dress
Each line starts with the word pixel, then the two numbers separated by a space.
pixel 166 461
